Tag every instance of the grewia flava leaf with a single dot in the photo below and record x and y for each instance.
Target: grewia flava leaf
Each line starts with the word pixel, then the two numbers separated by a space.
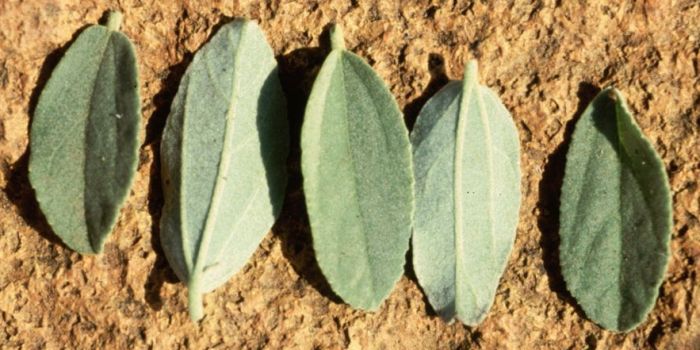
pixel 467 168
pixel 615 216
pixel 223 159
pixel 84 137
pixel 358 179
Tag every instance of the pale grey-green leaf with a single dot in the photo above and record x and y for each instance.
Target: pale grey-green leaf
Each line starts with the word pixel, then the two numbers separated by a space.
pixel 84 137
pixel 358 179
pixel 223 159
pixel 466 161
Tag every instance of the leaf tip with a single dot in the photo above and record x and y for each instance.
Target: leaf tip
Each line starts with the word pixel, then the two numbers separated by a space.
pixel 612 93
pixel 337 37
pixel 471 71
pixel 96 250
pixel 244 22
pixel 114 20
pixel 85 252
pixel 617 95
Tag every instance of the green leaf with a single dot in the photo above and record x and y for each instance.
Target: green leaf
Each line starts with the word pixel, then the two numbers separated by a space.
pixel 358 179
pixel 615 216
pixel 467 168
pixel 84 137
pixel 223 156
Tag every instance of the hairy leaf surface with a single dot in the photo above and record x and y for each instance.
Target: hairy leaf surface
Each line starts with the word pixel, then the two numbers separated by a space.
pixel 84 137
pixel 467 168
pixel 615 216
pixel 358 179
pixel 223 159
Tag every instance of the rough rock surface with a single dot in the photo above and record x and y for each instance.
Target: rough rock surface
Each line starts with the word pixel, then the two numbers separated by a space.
pixel 546 59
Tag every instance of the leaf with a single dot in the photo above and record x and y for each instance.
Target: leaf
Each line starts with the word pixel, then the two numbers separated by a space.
pixel 615 216
pixel 84 137
pixel 358 179
pixel 467 169
pixel 223 159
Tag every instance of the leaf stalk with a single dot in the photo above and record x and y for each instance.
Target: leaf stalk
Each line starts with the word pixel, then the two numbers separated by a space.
pixel 114 21
pixel 337 38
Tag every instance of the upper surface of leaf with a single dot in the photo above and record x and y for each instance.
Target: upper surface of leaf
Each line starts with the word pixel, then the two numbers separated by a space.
pixel 615 216
pixel 84 137
pixel 357 179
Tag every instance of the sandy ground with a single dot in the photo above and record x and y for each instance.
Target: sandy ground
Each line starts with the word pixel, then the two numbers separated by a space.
pixel 546 59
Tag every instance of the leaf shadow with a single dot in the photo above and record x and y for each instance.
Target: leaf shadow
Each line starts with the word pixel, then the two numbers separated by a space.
pixel 549 201
pixel 161 272
pixel 274 138
pixel 297 71
pixel 18 189
pixel 438 80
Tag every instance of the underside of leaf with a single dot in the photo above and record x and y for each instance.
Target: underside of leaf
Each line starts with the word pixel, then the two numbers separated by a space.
pixel 223 155
pixel 466 160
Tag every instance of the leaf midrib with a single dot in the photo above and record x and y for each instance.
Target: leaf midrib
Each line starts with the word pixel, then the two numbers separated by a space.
pixel 467 88
pixel 470 91
pixel 619 146
pixel 224 164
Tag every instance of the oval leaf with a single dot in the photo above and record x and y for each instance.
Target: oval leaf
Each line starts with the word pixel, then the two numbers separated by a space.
pixel 467 168
pixel 84 137
pixel 358 179
pixel 615 216
pixel 223 159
